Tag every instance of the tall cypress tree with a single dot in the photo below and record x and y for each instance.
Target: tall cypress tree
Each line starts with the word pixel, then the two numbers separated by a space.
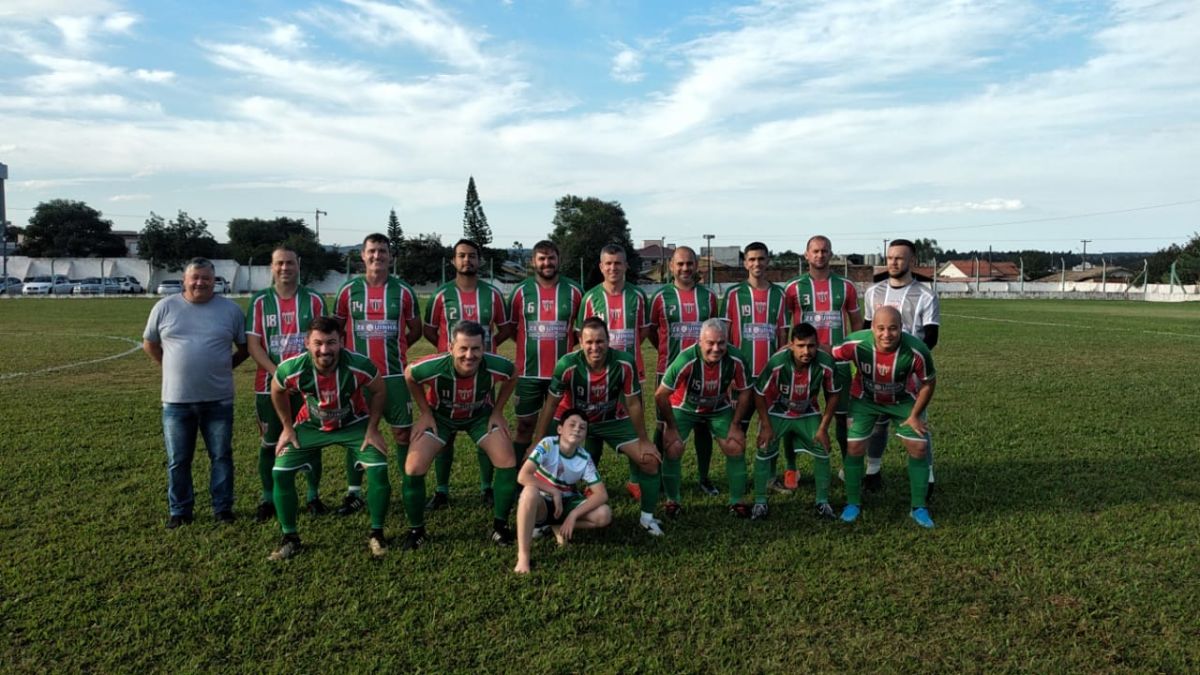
pixel 395 235
pixel 475 224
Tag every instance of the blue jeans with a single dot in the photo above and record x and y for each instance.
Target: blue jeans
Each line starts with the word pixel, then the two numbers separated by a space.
pixel 214 421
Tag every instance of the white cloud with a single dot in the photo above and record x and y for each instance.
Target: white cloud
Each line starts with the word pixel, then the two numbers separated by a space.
pixel 626 64
pixel 285 36
pixel 79 30
pixel 129 198
pixel 938 206
pixel 38 10
pixel 155 76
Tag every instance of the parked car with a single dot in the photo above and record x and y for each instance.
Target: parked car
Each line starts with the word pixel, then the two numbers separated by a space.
pixel 129 284
pixel 170 287
pixel 11 286
pixel 98 286
pixel 221 285
pixel 58 284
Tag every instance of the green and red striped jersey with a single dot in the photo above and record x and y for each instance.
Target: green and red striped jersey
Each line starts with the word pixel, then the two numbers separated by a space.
pixel 449 305
pixel 755 318
pixel 376 319
pixel 456 397
pixel 676 315
pixel 331 401
pixel 702 388
pixel 280 324
pixel 881 377
pixel 542 319
pixel 601 396
pixel 626 313
pixel 826 305
pixel 792 391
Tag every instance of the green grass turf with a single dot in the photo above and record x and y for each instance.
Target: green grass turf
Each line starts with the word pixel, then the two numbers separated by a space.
pixel 1066 442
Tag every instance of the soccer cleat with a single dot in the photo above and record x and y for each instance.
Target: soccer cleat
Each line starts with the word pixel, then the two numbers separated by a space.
pixel 288 548
pixel 542 531
pixel 779 486
pixel 316 507
pixel 175 521
pixel 224 517
pixel 850 513
pixel 739 510
pixel 265 512
pixel 825 511
pixel 873 482
pixel 791 479
pixel 634 490
pixel 351 504
pixel 440 500
pixel 672 509
pixel 651 526
pixel 415 539
pixel 487 496
pixel 708 488
pixel 758 512
pixel 921 517
pixel 502 536
pixel 376 544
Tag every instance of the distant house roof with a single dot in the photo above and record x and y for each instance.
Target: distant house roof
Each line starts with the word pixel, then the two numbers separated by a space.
pixel 1113 273
pixel 966 269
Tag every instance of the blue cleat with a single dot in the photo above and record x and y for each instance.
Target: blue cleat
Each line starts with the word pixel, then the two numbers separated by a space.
pixel 850 513
pixel 921 517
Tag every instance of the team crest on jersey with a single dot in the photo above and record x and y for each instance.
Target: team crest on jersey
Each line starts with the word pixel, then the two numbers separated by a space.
pixel 614 315
pixel 598 391
pixel 289 318
pixel 822 297
pixel 883 370
pixel 469 312
pixel 328 397
pixel 689 307
pixel 465 395
pixel 547 305
pixel 376 304
pixel 760 307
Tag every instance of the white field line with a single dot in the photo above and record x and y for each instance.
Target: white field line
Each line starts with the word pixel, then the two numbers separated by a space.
pixel 77 364
pixel 1071 325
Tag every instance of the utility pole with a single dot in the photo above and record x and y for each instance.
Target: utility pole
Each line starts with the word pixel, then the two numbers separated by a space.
pixel 4 224
pixel 711 274
pixel 317 222
pixel 1083 256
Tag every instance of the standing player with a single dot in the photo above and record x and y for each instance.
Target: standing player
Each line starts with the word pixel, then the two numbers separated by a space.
pixel 466 298
pixel 829 302
pixel 379 317
pixel 454 391
pixel 276 321
pixel 331 381
pixel 920 315
pixel 757 323
pixel 788 411
pixel 553 473
pixel 603 383
pixel 541 311
pixel 888 360
pixel 676 312
pixel 625 311
pixel 696 389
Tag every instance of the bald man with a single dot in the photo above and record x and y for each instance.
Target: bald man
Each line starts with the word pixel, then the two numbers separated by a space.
pixel 885 359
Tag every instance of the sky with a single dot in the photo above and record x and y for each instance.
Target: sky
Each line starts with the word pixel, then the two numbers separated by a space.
pixel 1010 124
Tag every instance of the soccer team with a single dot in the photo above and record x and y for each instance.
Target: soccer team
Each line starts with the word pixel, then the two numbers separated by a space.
pixel 330 379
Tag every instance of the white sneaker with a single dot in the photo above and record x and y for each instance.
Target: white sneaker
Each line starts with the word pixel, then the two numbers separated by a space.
pixel 541 531
pixel 651 526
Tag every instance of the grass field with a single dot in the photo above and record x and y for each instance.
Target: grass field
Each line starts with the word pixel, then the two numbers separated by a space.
pixel 1067 514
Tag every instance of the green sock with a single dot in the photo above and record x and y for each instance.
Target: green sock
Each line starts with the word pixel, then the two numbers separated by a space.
pixel 314 477
pixel 650 487
pixel 486 469
pixel 672 476
pixel 354 474
pixel 266 461
pixel 854 467
pixel 285 501
pixel 762 475
pixel 704 451
pixel 633 471
pixel 504 487
pixel 735 472
pixel 401 459
pixel 379 495
pixel 441 468
pixel 918 481
pixel 413 492
pixel 821 476
pixel 789 456
pixel 842 433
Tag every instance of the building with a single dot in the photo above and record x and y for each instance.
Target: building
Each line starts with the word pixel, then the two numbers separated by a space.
pixel 970 270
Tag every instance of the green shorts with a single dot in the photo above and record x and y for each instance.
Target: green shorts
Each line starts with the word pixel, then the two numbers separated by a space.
pixel 312 440
pixel 614 432
pixel 476 427
pixel 531 395
pixel 399 403
pixel 864 415
pixel 269 425
pixel 842 378
pixel 718 422
pixel 569 505
pixel 798 434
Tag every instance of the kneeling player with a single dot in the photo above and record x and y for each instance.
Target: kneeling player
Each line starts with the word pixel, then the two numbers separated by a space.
pixel 459 398
pixel 554 469
pixel 335 412
pixel 786 397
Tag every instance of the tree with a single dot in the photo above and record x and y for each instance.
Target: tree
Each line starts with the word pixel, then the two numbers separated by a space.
pixel 395 235
pixel 928 250
pixel 1186 259
pixel 425 256
pixel 62 227
pixel 584 225
pixel 475 224
pixel 171 244
pixel 253 239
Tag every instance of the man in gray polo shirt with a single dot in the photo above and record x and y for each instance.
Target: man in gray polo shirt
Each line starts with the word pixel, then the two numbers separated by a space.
pixel 190 335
